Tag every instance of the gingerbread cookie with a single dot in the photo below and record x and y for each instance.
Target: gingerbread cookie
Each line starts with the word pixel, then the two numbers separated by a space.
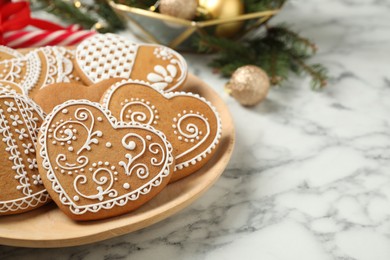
pixel 11 86
pixel 191 123
pixel 7 53
pixel 40 68
pixel 94 167
pixel 106 56
pixel 62 92
pixel 21 187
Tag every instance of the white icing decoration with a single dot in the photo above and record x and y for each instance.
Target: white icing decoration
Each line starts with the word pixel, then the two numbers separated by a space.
pixel 190 133
pixel 102 173
pixel 25 113
pixel 105 56
pixel 142 170
pixel 82 179
pixel 108 145
pixel 163 76
pixel 137 116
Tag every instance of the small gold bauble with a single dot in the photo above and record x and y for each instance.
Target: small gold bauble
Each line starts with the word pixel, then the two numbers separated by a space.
pixel 224 9
pixel 249 85
pixel 185 9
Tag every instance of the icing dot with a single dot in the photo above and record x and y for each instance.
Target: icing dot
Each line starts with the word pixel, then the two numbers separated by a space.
pixel 94 165
pixel 76 198
pixel 70 149
pixel 90 169
pixel 100 163
pixel 99 119
pixel 69 172
pixel 115 178
pixel 113 167
pixel 131 145
pixel 62 143
pixel 148 137
pixel 106 163
pixel 126 185
pixel 68 142
pixel 62 171
pixel 108 145
pixel 180 138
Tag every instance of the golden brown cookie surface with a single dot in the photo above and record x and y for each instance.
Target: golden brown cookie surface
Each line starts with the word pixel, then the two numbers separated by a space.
pixel 55 94
pixel 94 167
pixel 191 123
pixel 106 56
pixel 21 187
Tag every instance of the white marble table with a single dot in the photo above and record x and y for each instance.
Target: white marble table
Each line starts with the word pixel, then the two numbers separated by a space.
pixel 310 176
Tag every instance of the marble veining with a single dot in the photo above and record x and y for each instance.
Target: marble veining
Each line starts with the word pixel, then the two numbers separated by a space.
pixel 310 179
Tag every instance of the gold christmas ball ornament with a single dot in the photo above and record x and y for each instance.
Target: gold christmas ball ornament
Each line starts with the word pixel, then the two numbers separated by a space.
pixel 185 9
pixel 249 85
pixel 224 9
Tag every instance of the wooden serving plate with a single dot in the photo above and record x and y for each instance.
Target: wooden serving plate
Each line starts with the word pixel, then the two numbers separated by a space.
pixel 49 227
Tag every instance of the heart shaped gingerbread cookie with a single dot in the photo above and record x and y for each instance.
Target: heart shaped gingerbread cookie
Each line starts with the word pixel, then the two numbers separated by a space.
pixel 112 56
pixel 191 123
pixel 94 167
pixel 21 187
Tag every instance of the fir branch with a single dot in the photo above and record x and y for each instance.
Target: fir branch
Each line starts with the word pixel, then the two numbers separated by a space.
pixel 104 10
pixel 278 52
pixel 69 12
pixel 301 44
pixel 263 5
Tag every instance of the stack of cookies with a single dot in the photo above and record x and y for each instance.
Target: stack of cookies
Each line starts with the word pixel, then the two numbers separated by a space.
pixel 100 128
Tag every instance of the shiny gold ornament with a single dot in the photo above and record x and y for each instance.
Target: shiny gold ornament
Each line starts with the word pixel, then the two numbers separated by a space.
pixel 185 9
pixel 224 9
pixel 249 85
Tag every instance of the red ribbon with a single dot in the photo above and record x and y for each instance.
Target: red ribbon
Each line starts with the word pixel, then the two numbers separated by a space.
pixel 16 16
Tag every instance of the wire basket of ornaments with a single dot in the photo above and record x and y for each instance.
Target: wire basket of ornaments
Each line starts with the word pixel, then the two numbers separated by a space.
pixel 180 23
